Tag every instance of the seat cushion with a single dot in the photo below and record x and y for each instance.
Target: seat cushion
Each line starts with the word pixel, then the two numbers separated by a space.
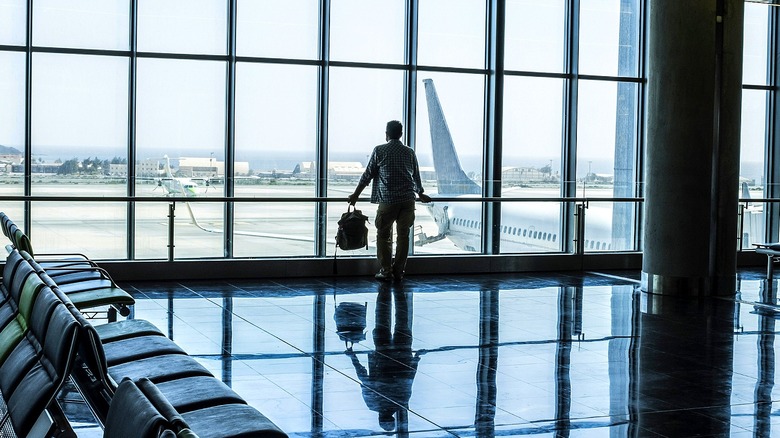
pixel 159 368
pixel 129 328
pixel 192 393
pixel 233 420
pixel 133 349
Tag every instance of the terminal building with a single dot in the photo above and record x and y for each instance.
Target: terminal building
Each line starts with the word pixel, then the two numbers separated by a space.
pixel 623 288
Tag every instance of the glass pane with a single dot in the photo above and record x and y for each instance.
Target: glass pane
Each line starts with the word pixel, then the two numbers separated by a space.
pixel 533 131
pixel 449 120
pixel 288 29
pixel 13 22
pixel 533 118
pixel 151 230
pixel 79 124
pixel 362 101
pixel 183 26
pixel 609 37
pixel 96 229
pixel 276 128
pixel 12 105
pixel 274 229
pixel 751 163
pixel 606 151
pixel 755 44
pixel 367 31
pixel 601 235
pixel 535 31
pixel 198 230
pixel 452 33
pixel 87 24
pixel 180 127
pixel 530 227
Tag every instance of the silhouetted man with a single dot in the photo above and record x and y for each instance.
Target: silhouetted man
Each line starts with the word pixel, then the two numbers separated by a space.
pixel 393 168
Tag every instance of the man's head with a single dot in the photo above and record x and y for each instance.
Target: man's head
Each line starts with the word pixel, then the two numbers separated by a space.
pixel 394 130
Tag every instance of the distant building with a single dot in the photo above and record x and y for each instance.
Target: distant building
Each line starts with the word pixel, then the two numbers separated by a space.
pixel 117 169
pixel 336 170
pixel 148 168
pixel 511 175
pixel 197 167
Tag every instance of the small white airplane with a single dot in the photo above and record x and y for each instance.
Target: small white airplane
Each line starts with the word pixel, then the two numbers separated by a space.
pixel 176 186
pixel 525 227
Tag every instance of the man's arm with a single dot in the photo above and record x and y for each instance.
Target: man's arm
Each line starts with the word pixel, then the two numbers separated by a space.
pixel 418 182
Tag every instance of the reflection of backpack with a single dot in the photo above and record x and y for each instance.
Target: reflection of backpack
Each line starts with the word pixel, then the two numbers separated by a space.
pixel 350 321
pixel 353 232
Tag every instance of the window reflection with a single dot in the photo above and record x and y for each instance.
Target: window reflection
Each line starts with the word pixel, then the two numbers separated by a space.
pixel 447 108
pixel 262 26
pixel 367 31
pixel 95 229
pixel 182 26
pixel 79 125
pixel 609 31
pixel 535 35
pixel 12 116
pixel 88 24
pixel 756 40
pixel 452 33
pixel 751 165
pixel 13 22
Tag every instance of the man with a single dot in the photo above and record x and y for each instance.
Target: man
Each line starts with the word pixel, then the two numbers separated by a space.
pixel 393 168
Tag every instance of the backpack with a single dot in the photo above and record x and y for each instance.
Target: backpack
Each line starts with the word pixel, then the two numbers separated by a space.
pixel 353 232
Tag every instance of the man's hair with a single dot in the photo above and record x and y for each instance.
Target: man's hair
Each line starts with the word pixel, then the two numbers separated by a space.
pixel 394 129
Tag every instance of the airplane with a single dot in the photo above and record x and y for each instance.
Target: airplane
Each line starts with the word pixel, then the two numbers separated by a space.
pixel 525 227
pixel 176 186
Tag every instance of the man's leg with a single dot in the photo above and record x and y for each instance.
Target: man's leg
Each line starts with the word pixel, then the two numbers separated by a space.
pixel 404 222
pixel 384 238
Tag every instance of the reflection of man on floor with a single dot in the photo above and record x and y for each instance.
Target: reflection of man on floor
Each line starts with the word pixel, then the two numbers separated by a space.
pixel 387 384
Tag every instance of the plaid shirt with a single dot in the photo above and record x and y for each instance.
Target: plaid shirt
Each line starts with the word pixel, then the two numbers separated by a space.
pixel 393 168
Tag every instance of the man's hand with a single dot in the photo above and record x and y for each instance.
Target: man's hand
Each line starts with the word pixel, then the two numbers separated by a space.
pixel 352 199
pixel 424 198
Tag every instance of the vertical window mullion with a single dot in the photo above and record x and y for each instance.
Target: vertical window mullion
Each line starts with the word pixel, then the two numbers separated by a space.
pixel 230 130
pixel 321 188
pixel 569 144
pixel 493 145
pixel 131 120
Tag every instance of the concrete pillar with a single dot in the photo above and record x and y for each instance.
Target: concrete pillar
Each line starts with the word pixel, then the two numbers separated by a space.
pixel 692 162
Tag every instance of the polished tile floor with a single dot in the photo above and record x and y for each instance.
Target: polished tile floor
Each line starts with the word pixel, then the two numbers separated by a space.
pixel 501 355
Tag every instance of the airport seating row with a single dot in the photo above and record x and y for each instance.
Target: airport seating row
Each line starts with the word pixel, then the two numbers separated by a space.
pixel 187 400
pixel 38 342
pixel 88 286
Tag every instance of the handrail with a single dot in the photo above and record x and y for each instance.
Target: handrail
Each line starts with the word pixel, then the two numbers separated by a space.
pixel 48 198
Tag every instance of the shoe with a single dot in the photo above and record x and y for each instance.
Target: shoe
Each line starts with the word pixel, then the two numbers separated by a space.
pixel 398 276
pixel 383 276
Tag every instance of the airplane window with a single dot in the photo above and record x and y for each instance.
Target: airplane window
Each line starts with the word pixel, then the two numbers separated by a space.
pixel 554 236
pixel 535 234
pixel 549 237
pixel 525 232
pixel 514 231
pixel 544 236
pixel 598 245
pixel 586 243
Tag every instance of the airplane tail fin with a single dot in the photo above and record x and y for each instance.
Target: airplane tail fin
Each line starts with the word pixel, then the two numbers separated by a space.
pixel 168 173
pixel 451 178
